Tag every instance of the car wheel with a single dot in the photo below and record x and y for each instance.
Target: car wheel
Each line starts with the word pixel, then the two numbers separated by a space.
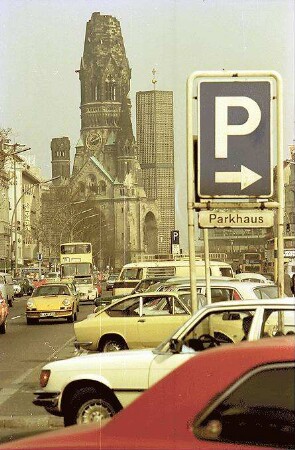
pixel 71 318
pixel 114 345
pixel 3 327
pixel 86 407
pixel 10 302
pixel 32 321
pixel 75 317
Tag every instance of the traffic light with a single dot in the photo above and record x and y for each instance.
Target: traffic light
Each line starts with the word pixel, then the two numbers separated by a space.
pixel 288 228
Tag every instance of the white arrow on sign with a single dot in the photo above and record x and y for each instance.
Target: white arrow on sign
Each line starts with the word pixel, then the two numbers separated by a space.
pixel 246 177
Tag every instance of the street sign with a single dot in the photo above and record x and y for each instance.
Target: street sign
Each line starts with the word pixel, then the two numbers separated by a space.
pixel 175 248
pixel 236 219
pixel 235 134
pixel 39 257
pixel 175 237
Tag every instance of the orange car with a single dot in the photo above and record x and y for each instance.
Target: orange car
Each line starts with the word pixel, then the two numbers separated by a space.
pixel 3 314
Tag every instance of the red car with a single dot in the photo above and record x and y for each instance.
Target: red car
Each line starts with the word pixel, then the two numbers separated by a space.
pixel 235 397
pixel 3 314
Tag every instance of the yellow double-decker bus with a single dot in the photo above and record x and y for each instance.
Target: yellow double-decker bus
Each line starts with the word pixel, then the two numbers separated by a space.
pixel 75 259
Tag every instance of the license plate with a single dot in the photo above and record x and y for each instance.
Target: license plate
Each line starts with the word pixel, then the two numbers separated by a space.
pixel 49 314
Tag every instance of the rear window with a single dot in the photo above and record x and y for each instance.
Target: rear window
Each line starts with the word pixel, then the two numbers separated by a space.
pixel 226 271
pixel 267 292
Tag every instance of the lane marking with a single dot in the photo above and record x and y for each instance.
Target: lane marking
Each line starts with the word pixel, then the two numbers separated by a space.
pixel 15 317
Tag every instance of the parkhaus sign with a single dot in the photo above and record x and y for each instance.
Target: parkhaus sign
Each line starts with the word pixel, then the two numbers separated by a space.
pixel 236 219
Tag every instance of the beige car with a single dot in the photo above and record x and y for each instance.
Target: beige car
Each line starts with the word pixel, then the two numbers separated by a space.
pixel 137 321
pixel 52 301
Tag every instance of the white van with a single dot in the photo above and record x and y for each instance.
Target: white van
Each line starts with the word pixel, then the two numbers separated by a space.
pixel 132 273
pixel 6 287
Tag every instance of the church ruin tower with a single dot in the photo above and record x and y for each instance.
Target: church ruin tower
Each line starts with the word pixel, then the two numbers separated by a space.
pixel 60 159
pixel 107 177
pixel 105 82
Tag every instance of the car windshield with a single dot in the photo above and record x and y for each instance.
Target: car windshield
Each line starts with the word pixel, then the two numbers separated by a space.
pixel 83 281
pixel 51 290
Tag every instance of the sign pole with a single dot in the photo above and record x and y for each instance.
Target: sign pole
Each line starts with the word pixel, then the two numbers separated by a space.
pixel 207 265
pixel 280 188
pixel 191 192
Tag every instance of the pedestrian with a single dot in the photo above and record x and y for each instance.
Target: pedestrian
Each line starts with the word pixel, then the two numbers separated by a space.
pixel 287 284
pixel 293 284
pixel 239 269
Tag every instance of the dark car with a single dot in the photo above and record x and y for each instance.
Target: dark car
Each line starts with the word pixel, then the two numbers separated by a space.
pixel 26 287
pixel 111 280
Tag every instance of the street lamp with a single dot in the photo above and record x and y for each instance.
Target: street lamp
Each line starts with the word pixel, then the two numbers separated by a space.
pixel 14 217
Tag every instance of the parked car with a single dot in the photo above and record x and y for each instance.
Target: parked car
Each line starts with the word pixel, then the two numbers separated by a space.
pixel 111 280
pixel 52 301
pixel 136 321
pixel 89 387
pixel 199 406
pixel 3 314
pixel 6 287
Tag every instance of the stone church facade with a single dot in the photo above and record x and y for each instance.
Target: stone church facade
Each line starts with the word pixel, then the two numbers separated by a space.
pixel 106 181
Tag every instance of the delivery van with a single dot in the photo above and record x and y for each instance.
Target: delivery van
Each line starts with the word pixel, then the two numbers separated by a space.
pixel 132 273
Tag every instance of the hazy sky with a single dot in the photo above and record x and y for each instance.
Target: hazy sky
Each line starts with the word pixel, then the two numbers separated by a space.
pixel 41 43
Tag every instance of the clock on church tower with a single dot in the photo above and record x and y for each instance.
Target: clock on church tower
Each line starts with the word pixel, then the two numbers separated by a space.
pixel 93 139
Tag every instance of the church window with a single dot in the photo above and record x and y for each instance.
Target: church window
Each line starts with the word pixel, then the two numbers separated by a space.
pixel 110 88
pixel 102 187
pixel 92 183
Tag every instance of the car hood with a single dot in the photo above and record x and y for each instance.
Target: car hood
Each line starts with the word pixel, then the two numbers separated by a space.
pixel 47 301
pixel 119 368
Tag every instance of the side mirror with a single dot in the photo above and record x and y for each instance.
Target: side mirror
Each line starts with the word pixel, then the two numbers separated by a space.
pixel 175 345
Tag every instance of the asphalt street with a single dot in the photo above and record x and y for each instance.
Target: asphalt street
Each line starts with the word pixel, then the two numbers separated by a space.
pixel 24 349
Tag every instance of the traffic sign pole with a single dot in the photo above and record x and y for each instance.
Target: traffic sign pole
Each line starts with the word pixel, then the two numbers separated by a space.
pixel 191 193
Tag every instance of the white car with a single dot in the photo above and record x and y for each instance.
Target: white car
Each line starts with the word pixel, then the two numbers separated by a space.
pixel 92 387
pixel 86 289
pixel 225 289
pixel 254 277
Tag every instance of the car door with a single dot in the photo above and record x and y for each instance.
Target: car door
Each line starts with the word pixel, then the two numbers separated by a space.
pixel 160 316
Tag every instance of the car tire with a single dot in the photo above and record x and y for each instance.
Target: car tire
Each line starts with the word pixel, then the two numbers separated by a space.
pixel 86 406
pixel 3 327
pixel 75 317
pixel 32 321
pixel 71 318
pixel 113 345
pixel 10 302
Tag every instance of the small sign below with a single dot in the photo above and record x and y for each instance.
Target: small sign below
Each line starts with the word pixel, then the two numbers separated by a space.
pixel 236 219
pixel 290 253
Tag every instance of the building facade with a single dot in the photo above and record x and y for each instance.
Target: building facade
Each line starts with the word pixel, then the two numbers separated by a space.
pixel 4 212
pixel 155 140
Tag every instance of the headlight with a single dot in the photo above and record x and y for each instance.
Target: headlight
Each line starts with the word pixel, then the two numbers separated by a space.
pixel 30 304
pixel 66 302
pixel 44 377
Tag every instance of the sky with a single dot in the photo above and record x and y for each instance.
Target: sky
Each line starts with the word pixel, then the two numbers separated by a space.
pixel 41 44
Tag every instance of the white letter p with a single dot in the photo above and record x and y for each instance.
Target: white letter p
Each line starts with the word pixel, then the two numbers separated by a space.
pixel 223 129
